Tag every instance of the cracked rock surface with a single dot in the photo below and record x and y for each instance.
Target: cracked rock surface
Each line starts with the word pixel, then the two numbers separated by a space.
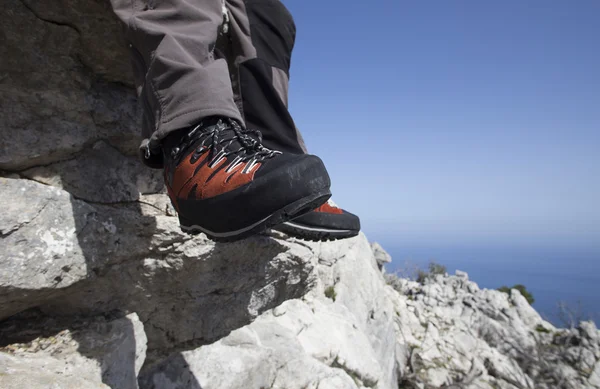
pixel 309 342
pixel 451 333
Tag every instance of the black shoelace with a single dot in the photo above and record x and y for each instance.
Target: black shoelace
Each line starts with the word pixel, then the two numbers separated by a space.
pixel 221 136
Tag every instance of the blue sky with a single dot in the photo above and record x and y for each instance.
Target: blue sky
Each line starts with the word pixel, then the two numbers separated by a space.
pixel 457 121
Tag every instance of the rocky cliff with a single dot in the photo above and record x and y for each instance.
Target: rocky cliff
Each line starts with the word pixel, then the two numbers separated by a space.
pixel 99 288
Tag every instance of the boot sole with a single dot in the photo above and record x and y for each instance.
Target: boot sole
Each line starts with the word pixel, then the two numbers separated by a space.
pixel 314 234
pixel 288 212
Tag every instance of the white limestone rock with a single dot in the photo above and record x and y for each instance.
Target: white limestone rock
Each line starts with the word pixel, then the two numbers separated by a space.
pixel 52 241
pixel 344 339
pixel 381 256
pixel 180 280
pixel 40 372
pixel 97 354
pixel 456 335
pixel 39 254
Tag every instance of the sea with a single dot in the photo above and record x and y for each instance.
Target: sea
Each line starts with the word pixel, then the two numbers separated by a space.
pixel 565 282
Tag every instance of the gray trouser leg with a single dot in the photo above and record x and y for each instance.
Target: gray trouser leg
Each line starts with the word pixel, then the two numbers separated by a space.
pixel 258 49
pixel 178 79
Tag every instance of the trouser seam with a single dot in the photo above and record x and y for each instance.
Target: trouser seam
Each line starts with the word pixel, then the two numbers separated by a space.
pixel 160 103
pixel 148 80
pixel 237 63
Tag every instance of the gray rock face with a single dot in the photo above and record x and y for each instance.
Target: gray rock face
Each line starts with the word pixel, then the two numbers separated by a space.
pixel 40 254
pixel 52 241
pixel 172 281
pixel 60 64
pixel 76 257
pixel 175 287
pixel 100 46
pixel 118 178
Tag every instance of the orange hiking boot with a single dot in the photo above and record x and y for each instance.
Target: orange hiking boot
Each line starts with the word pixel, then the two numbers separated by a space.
pixel 327 222
pixel 223 182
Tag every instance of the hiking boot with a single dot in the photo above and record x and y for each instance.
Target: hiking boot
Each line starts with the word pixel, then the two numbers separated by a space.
pixel 327 222
pixel 222 181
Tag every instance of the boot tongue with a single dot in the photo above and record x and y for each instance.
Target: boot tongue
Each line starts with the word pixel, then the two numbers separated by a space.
pixel 222 135
pixel 228 134
pixel 207 125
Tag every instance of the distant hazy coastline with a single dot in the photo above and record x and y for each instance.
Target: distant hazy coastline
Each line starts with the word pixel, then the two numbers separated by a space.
pixel 570 275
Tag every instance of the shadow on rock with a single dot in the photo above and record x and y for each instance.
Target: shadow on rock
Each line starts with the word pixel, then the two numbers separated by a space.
pixel 52 242
pixel 178 373
pixel 191 292
pixel 72 351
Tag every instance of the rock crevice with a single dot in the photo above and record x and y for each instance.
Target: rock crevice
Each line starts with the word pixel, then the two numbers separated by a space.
pixel 28 5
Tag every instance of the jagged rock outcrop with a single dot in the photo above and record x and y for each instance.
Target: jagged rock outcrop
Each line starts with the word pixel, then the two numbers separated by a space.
pixel 381 256
pixel 451 332
pixel 339 335
pixel 190 292
pixel 70 256
pixel 99 288
pixel 301 315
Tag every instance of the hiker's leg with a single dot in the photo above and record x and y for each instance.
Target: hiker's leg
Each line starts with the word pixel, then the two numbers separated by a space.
pixel 259 49
pixel 221 181
pixel 177 77
pixel 262 37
